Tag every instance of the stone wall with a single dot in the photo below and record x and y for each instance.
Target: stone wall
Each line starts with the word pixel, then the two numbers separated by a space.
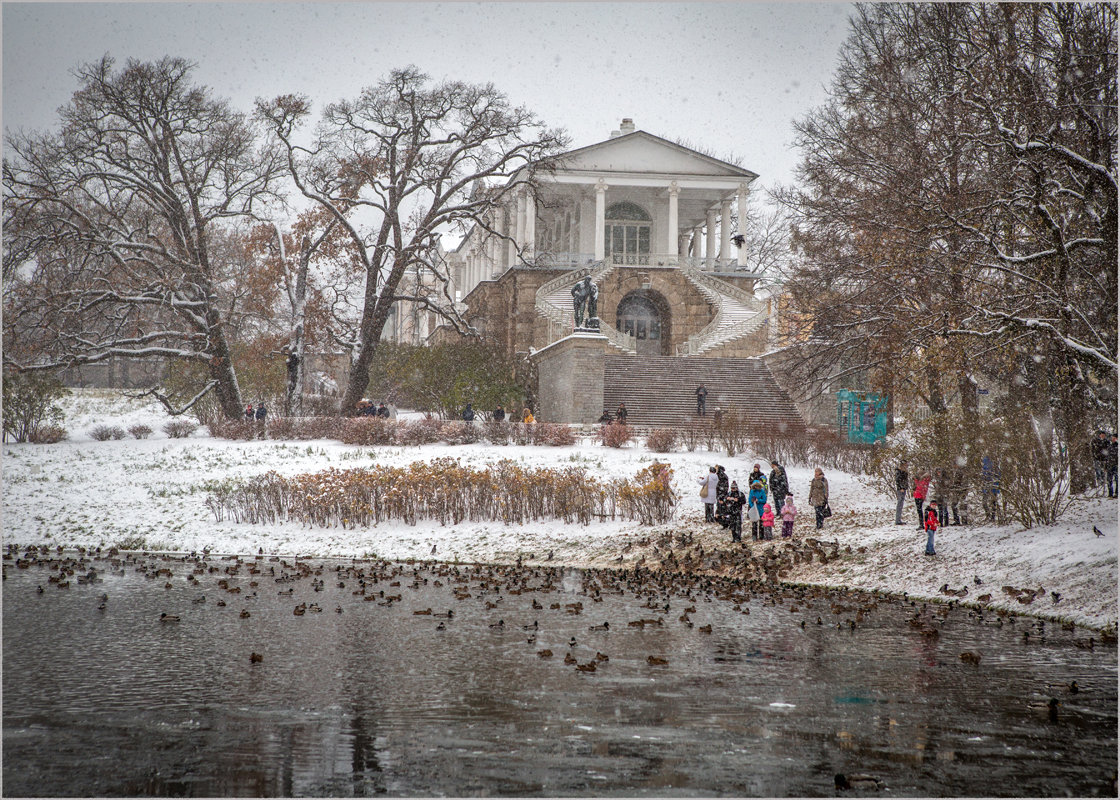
pixel 570 379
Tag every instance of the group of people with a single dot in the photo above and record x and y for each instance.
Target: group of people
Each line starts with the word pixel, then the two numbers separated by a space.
pixel 497 415
pixel 724 502
pixel 259 415
pixel 1104 461
pixel 368 409
pixel 943 493
pixel 620 415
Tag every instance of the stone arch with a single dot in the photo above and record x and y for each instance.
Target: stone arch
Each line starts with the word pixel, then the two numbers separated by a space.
pixel 647 315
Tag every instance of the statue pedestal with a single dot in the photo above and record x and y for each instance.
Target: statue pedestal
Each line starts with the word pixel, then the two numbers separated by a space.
pixel 589 326
pixel 570 378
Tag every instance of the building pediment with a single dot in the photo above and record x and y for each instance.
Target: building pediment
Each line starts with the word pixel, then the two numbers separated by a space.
pixel 643 153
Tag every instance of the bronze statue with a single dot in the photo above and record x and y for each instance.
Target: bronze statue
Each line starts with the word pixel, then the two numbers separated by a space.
pixel 585 298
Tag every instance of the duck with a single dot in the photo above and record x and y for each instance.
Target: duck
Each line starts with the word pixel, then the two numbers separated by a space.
pixel 532 627
pixel 244 613
pixel 546 653
pixel 221 604
pixel 708 628
pixel 654 661
pixel 588 667
pixel 569 658
pixel 970 658
pixel 499 624
pixel 300 610
pixel 165 617
pixel 606 626
pixel 441 627
pixel 572 642
pixel 255 658
pixel 601 656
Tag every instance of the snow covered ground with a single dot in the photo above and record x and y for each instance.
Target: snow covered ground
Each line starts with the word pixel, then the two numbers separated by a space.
pixel 150 494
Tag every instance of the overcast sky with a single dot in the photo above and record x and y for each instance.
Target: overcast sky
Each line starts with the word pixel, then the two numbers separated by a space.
pixel 729 77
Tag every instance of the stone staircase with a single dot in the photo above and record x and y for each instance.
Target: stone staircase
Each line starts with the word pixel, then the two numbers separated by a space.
pixel 660 391
pixel 737 313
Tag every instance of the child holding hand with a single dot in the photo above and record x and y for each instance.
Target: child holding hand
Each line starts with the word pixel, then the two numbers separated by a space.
pixel 767 522
pixel 788 514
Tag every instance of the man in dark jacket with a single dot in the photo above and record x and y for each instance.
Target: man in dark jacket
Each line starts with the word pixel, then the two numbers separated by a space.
pixel 779 484
pixel 733 509
pixel 262 413
pixel 902 486
pixel 701 398
pixel 721 483
pixel 499 414
pixel 468 413
pixel 383 410
pixel 1110 466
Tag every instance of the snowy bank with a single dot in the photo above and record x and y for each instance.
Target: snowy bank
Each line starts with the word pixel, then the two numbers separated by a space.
pixel 151 494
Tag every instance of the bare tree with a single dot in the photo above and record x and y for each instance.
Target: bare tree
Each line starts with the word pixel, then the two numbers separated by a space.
pixel 396 167
pixel 957 208
pixel 122 208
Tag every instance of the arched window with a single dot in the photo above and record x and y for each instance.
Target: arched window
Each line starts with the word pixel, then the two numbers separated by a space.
pixel 627 233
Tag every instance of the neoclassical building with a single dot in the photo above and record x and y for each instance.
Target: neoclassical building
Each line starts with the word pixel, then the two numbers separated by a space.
pixel 654 224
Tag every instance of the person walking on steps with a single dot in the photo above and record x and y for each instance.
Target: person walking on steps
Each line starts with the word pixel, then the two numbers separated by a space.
pixel 701 398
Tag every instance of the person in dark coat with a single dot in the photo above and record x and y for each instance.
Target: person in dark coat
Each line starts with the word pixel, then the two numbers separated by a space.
pixel 902 486
pixel 261 415
pixel 758 475
pixel 733 505
pixel 721 483
pixel 1099 448
pixel 468 413
pixel 701 398
pixel 499 414
pixel 1110 466
pixel 931 526
pixel 383 410
pixel 605 418
pixel 249 414
pixel 779 482
pixel 621 413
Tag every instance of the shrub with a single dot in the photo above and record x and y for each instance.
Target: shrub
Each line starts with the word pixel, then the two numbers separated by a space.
pixel 458 432
pixel 103 433
pixel 410 433
pixel 691 435
pixel 140 431
pixel 47 434
pixel 554 434
pixel 661 440
pixel 520 433
pixel 180 428
pixel 448 492
pixel 366 431
pixel 731 430
pixel 237 429
pixel 614 435
pixel 496 432
pixel 30 402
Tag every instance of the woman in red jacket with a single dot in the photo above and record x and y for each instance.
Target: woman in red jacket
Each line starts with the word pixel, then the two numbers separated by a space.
pixel 921 490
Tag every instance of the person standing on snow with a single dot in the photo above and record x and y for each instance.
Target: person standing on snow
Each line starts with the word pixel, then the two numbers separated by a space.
pixel 779 483
pixel 902 486
pixel 931 526
pixel 756 500
pixel 733 504
pixel 921 489
pixel 818 495
pixel 708 485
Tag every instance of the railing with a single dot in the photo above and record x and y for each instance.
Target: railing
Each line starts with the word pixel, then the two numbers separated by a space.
pixel 560 260
pixel 619 339
pixel 715 289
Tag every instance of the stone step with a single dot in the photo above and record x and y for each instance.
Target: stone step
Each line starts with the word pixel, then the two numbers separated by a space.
pixel 660 391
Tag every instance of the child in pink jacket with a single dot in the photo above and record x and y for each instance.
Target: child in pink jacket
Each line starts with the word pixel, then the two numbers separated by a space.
pixel 788 515
pixel 767 522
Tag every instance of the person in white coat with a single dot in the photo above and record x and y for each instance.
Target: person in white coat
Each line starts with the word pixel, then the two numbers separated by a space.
pixel 708 485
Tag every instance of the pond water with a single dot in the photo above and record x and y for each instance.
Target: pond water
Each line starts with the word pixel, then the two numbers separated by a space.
pixel 367 697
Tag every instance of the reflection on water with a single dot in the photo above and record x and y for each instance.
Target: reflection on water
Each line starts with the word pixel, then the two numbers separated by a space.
pixel 368 697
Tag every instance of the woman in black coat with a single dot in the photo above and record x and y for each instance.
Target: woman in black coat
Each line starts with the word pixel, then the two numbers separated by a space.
pixel 779 484
pixel 733 504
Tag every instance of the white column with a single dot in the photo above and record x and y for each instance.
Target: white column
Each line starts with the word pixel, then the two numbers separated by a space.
pixel 725 229
pixel 710 249
pixel 520 233
pixel 673 241
pixel 499 243
pixel 600 219
pixel 530 222
pixel 742 259
pixel 511 232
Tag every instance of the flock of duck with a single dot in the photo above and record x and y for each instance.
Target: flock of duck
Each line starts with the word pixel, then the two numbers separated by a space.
pixel 668 590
